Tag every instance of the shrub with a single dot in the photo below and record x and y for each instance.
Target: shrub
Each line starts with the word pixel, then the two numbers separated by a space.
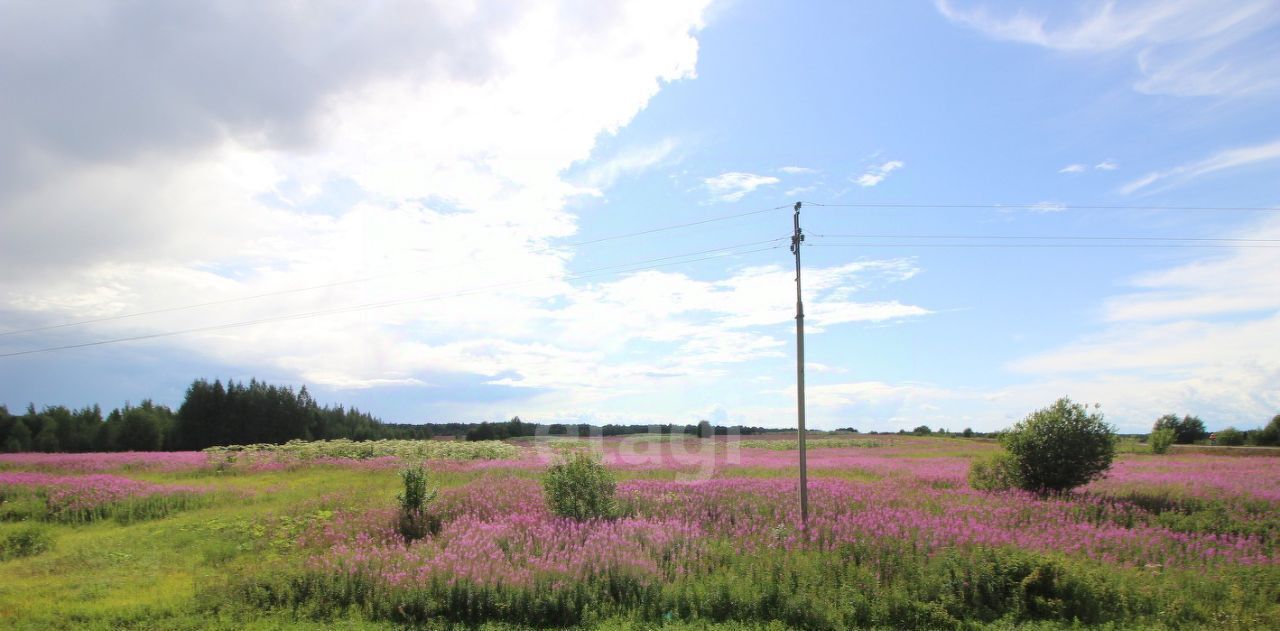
pixel 1060 447
pixel 997 472
pixel 415 522
pixel 993 583
pixel 579 486
pixel 27 541
pixel 923 430
pixel 1161 439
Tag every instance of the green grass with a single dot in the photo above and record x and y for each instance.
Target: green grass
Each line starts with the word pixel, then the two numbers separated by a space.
pixel 106 573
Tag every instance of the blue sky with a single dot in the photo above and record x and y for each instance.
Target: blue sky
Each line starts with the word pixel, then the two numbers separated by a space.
pixel 442 161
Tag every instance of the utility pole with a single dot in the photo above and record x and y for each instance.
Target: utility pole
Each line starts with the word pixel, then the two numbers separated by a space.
pixel 796 239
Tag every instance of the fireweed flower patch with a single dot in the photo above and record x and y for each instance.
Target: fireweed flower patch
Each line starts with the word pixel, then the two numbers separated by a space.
pixel 911 547
pixel 498 549
pixel 1196 476
pixel 85 498
pixel 1200 493
pixel 519 550
pixel 762 513
pixel 154 461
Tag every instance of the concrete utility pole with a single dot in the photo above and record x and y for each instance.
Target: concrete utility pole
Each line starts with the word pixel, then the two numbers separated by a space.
pixel 796 240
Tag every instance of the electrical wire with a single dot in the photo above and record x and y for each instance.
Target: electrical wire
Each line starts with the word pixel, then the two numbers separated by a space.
pixel 1033 245
pixel 365 279
pixel 634 266
pixel 1042 205
pixel 1044 238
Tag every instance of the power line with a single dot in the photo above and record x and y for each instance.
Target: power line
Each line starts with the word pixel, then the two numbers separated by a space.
pixel 365 279
pixel 675 226
pixel 1044 238
pixel 635 266
pixel 1043 205
pixel 1036 245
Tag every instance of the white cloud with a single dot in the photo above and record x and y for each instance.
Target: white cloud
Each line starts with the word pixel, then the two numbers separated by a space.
pixel 1224 160
pixel 796 170
pixel 1048 207
pixel 1180 47
pixel 430 160
pixel 799 190
pixel 873 392
pixel 1105 165
pixel 1242 281
pixel 1219 394
pixel 1204 334
pixel 823 368
pixel 877 174
pixel 1200 338
pixel 1225 372
pixel 630 161
pixel 733 186
pixel 671 307
pixel 830 313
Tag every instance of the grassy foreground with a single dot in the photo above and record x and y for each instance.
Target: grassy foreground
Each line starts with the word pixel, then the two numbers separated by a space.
pixel 896 541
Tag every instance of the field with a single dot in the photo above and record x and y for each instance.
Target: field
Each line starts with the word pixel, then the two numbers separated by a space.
pixel 304 536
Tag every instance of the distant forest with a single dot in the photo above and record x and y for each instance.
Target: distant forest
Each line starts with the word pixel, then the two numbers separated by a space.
pixel 214 414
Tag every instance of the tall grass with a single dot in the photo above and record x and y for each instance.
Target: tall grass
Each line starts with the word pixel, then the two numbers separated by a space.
pixel 88 498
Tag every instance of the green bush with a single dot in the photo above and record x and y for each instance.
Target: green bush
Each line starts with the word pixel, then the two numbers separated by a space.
pixel 27 541
pixel 415 522
pixel 997 472
pixel 1162 439
pixel 579 486
pixel 1002 583
pixel 1060 447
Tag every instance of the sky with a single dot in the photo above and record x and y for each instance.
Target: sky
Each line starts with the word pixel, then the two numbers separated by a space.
pixel 581 211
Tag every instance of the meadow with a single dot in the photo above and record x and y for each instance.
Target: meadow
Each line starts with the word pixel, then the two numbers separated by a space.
pixel 707 536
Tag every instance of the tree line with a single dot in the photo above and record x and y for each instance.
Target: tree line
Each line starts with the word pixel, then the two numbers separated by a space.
pixel 237 413
pixel 1190 429
pixel 515 428
pixel 211 414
